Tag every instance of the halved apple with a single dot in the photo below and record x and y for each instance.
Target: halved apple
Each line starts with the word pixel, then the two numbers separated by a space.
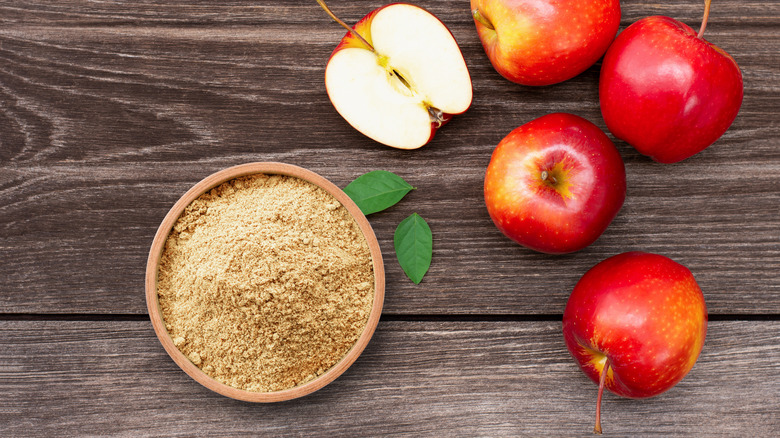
pixel 398 76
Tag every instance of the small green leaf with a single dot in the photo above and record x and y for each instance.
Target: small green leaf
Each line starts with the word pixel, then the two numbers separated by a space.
pixel 414 246
pixel 377 190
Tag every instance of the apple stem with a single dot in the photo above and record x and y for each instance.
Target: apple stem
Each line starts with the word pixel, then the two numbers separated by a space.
pixel 546 174
pixel 602 380
pixel 346 26
pixel 482 19
pixel 706 16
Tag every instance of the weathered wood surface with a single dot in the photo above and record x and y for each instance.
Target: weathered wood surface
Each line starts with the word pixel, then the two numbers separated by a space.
pixel 414 379
pixel 110 111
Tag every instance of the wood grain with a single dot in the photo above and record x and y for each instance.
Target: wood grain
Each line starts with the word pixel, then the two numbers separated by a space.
pixel 248 12
pixel 414 379
pixel 111 111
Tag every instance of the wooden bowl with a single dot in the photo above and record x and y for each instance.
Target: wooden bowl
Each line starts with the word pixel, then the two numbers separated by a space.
pixel 158 245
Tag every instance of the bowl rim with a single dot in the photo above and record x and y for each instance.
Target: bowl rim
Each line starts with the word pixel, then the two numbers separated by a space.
pixel 158 245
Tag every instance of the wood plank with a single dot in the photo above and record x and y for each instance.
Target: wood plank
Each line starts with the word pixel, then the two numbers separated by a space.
pixel 109 112
pixel 248 12
pixel 415 378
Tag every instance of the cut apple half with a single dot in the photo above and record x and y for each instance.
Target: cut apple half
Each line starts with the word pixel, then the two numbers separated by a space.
pixel 406 80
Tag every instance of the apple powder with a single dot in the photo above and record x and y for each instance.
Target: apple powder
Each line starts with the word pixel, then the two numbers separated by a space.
pixel 265 282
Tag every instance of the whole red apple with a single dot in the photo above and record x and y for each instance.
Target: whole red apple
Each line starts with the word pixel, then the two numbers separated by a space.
pixel 635 323
pixel 534 42
pixel 555 184
pixel 666 90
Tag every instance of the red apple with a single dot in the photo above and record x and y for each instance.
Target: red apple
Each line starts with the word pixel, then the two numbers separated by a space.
pixel 555 184
pixel 534 42
pixel 666 90
pixel 398 75
pixel 635 323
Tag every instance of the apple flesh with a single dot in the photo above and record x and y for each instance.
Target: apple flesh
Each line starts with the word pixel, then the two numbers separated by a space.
pixel 667 91
pixel 555 184
pixel 402 79
pixel 533 42
pixel 635 323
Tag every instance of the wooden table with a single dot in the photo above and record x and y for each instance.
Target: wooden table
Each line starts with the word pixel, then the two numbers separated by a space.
pixel 110 111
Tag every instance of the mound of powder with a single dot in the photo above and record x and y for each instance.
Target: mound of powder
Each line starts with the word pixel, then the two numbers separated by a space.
pixel 265 282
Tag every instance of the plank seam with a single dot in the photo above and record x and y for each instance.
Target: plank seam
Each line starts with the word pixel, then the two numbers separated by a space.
pixel 388 317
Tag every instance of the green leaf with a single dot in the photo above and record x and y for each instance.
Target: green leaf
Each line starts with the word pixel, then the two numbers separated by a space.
pixel 377 190
pixel 414 246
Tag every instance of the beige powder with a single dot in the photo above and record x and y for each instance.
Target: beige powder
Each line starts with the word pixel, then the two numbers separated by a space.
pixel 265 282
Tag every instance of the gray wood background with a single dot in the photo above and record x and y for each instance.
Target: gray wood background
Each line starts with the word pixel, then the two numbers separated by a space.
pixel 110 111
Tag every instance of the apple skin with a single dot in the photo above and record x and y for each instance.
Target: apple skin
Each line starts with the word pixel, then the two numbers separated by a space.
pixel 584 190
pixel 667 92
pixel 545 42
pixel 643 312
pixel 363 27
